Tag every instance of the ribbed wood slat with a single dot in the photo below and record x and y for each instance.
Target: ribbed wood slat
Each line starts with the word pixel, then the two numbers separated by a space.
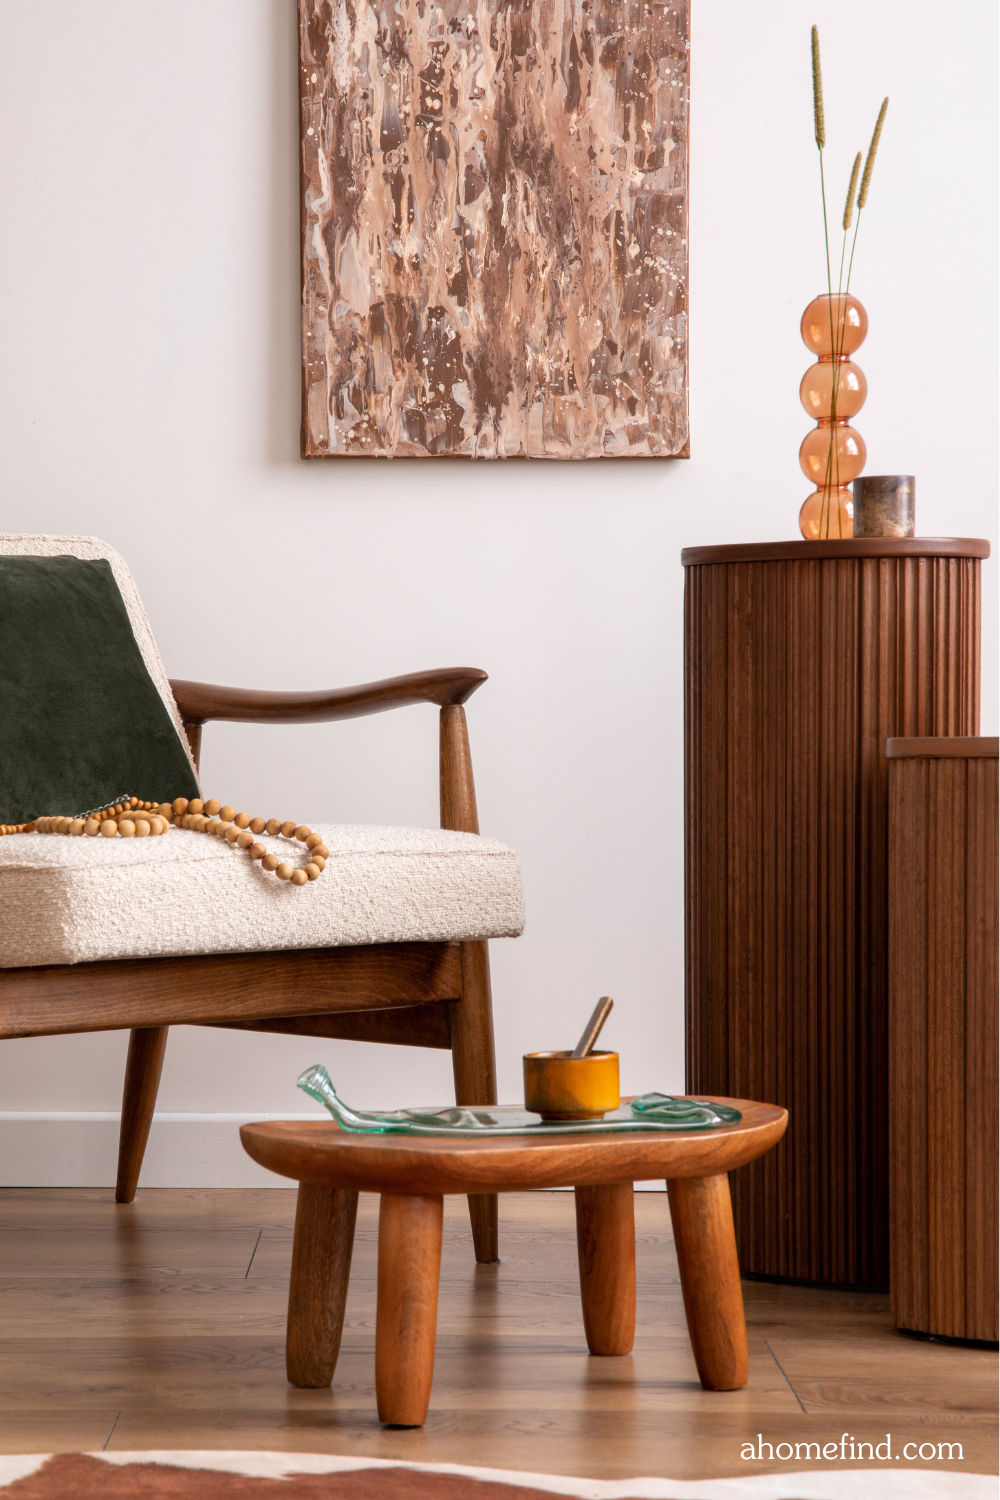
pixel 943 1039
pixel 797 669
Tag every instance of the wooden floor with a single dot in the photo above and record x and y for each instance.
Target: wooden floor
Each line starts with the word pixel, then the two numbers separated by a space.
pixel 161 1325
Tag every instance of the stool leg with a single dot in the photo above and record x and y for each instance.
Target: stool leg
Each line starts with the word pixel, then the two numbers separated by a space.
pixel 605 1243
pixel 321 1266
pixel 702 1215
pixel 409 1267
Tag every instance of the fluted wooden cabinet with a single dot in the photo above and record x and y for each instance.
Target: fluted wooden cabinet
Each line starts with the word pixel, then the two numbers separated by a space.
pixel 943 999
pixel 801 659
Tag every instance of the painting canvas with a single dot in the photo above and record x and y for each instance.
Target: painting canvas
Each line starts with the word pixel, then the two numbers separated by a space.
pixel 494 228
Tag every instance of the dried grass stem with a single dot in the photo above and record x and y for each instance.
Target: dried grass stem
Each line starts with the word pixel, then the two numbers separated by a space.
pixel 870 162
pixel 849 205
pixel 819 122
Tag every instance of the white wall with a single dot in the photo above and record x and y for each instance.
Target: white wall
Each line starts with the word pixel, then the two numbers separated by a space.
pixel 149 368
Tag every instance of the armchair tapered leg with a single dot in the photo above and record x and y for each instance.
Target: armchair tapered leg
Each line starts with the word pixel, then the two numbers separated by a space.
pixel 146 1047
pixel 474 1061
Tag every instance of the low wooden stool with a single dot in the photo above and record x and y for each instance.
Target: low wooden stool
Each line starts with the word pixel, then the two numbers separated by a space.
pixel 412 1173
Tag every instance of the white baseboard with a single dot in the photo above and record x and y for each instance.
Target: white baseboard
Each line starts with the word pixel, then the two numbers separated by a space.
pixel 81 1150
pixel 49 1149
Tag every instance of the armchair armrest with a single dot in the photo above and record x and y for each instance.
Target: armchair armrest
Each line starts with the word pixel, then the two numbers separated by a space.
pixel 200 701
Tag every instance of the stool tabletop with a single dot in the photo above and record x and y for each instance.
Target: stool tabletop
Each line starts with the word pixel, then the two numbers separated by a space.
pixel 321 1152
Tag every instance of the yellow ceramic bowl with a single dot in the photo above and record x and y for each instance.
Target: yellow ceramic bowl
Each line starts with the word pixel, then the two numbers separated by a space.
pixel 559 1086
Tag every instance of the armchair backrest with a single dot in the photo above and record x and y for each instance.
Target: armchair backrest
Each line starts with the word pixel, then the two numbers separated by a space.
pixel 88 548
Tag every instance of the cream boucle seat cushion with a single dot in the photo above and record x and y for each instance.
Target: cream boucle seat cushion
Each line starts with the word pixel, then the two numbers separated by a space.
pixel 73 900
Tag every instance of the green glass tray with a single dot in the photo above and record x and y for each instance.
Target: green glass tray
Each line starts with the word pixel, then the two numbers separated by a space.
pixel 647 1112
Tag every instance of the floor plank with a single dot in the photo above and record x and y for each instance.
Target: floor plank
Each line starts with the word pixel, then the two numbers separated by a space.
pixel 161 1325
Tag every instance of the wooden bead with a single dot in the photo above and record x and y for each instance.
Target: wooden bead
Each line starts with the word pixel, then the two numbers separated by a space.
pixel 180 806
pixel 232 833
pixel 141 828
pixel 270 862
pixel 227 813
pixel 196 806
pixel 245 840
pixel 212 807
pixel 284 871
pixel 257 825
pixel 273 825
pixel 313 840
pixel 302 833
pixel 157 825
pixel 76 827
pixel 65 824
pixel 126 828
pixel 257 851
pixel 312 871
pixel 288 829
pixel 318 861
pixel 322 851
pixel 133 803
pixel 242 820
pixel 109 828
pixel 299 877
pixel 91 828
pixel 165 810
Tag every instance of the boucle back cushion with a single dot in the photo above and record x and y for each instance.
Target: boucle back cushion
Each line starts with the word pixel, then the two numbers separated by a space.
pixel 87 711
pixel 70 900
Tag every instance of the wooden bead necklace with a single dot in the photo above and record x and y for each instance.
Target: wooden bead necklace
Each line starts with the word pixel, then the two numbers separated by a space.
pixel 130 817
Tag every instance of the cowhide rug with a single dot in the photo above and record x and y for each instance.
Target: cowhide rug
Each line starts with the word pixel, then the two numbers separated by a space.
pixel 314 1476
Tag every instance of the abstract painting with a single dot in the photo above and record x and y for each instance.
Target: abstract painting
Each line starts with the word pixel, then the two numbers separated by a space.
pixel 494 228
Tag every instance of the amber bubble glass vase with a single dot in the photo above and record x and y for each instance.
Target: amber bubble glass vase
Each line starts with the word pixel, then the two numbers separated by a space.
pixel 832 391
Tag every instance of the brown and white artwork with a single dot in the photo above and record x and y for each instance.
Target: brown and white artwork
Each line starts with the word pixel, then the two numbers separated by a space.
pixel 494 228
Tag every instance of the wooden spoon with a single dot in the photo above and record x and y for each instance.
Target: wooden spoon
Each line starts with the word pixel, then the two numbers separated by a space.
pixel 592 1030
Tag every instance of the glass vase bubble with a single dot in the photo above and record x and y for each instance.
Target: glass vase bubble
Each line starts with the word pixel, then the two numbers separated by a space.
pixel 832 391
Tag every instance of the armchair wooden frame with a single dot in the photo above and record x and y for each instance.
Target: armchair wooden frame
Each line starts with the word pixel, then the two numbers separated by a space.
pixel 413 994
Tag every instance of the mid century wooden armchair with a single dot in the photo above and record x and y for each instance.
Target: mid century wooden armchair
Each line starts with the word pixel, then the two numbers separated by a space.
pixel 420 994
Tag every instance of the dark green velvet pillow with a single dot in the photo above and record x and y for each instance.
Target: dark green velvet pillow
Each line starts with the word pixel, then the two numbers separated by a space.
pixel 81 721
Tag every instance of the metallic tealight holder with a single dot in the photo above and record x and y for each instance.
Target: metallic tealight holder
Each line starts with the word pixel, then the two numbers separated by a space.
pixel 885 505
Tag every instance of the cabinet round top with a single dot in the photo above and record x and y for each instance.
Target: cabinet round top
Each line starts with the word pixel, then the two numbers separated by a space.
pixel 868 546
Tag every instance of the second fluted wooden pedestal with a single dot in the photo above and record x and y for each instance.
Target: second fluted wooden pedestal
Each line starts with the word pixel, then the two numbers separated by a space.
pixel 801 658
